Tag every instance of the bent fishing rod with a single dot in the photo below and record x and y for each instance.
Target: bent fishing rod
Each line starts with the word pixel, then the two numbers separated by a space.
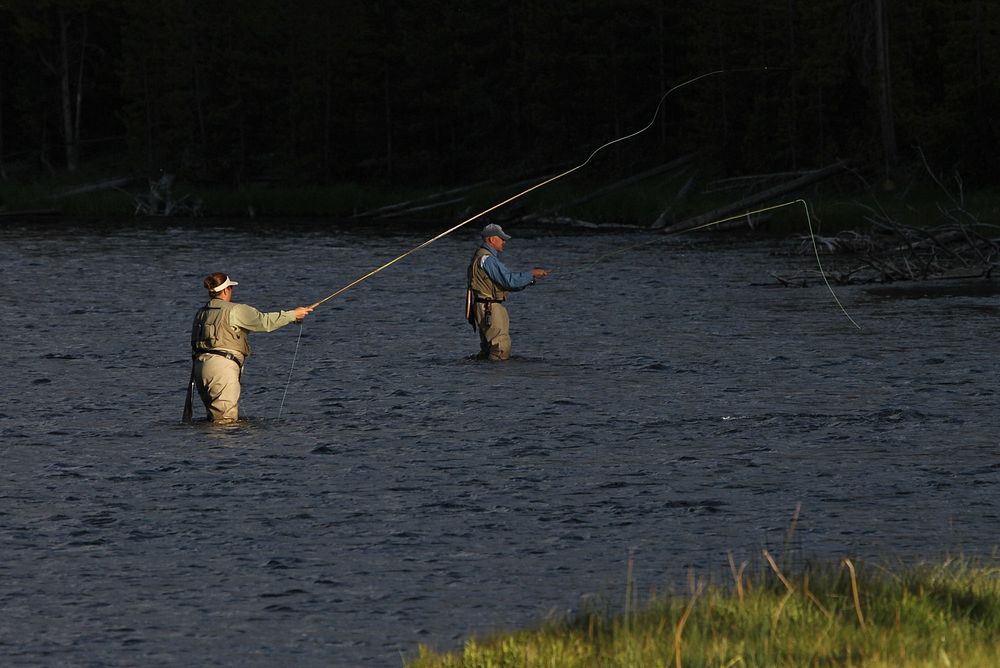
pixel 745 214
pixel 545 182
pixel 502 203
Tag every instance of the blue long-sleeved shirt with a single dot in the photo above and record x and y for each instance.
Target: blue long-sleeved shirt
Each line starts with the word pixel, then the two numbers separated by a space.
pixel 501 275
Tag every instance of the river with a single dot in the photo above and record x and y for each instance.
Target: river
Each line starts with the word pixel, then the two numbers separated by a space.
pixel 660 403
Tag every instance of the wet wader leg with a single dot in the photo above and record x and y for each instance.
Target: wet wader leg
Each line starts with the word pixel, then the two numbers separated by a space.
pixel 484 346
pixel 482 324
pixel 218 382
pixel 497 333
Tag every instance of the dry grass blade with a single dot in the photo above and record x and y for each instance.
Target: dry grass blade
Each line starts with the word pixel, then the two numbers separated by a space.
pixel 679 629
pixel 777 571
pixel 854 592
pixel 737 575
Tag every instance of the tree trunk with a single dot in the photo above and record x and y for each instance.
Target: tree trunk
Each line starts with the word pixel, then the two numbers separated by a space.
pixel 79 90
pixel 148 134
pixel 885 84
pixel 388 121
pixel 3 168
pixel 793 97
pixel 327 119
pixel 662 71
pixel 69 135
pixel 44 152
pixel 199 102
pixel 980 106
pixel 388 36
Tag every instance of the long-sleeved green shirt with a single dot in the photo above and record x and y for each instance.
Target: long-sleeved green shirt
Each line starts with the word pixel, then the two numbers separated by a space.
pixel 248 318
pixel 240 317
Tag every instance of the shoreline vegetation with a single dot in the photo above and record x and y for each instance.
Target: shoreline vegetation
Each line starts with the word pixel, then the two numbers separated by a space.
pixel 926 230
pixel 668 198
pixel 828 614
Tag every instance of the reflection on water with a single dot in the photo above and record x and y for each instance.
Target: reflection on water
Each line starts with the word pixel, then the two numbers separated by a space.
pixel 657 401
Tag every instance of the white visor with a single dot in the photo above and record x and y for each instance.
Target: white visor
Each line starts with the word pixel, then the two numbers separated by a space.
pixel 225 284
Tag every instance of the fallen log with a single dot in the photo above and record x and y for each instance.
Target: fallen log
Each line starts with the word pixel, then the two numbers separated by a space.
pixel 401 208
pixel 31 212
pixel 682 194
pixel 755 199
pixel 106 184
pixel 618 185
pixel 565 221
pixel 749 181
pixel 419 209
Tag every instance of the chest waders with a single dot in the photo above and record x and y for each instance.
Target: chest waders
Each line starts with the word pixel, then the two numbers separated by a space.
pixel 212 334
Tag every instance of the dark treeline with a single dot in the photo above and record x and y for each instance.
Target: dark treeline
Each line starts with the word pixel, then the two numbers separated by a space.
pixel 236 91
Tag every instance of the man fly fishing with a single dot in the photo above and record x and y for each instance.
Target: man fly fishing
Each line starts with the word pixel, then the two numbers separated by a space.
pixel 489 283
pixel 220 344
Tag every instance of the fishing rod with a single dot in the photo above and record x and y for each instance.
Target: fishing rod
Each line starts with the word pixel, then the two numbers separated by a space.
pixel 746 214
pixel 510 199
pixel 620 251
pixel 547 181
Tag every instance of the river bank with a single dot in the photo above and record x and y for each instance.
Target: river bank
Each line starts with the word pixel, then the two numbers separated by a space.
pixel 946 613
pixel 656 201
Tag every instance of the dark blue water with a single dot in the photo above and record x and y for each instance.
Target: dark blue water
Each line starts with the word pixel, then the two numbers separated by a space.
pixel 658 402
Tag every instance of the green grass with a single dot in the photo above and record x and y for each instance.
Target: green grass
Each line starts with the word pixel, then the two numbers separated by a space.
pixel 947 614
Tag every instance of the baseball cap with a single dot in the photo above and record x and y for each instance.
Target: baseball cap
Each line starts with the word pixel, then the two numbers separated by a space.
pixel 494 230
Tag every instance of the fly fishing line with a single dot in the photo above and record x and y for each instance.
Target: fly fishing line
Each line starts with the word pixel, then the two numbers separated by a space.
pixel 747 214
pixel 288 382
pixel 547 181
pixel 524 192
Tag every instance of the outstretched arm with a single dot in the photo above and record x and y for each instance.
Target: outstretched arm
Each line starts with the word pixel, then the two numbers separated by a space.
pixel 504 277
pixel 252 320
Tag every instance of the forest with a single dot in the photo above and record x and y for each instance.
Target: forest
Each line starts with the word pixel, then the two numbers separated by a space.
pixel 438 92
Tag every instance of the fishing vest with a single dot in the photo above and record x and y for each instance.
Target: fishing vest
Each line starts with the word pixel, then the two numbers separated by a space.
pixel 480 283
pixel 211 330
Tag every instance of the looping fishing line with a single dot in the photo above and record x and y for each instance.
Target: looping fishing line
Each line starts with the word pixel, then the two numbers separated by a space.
pixel 496 206
pixel 812 238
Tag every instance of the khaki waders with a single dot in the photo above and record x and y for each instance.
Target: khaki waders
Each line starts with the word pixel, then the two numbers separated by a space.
pixel 218 381
pixel 494 331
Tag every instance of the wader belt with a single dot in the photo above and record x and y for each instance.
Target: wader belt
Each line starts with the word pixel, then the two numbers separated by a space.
pixel 220 353
pixel 484 300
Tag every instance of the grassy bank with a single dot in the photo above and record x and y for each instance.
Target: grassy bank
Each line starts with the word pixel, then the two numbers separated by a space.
pixel 946 614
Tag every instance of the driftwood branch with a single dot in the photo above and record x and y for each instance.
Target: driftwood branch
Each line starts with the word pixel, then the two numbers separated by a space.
pixel 899 252
pixel 618 185
pixel 956 246
pixel 161 201
pixel 421 204
pixel 682 194
pixel 106 184
pixel 756 198
pixel 750 181
pixel 451 197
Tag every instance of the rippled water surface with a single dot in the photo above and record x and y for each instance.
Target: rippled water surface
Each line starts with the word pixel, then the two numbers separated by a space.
pixel 660 401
